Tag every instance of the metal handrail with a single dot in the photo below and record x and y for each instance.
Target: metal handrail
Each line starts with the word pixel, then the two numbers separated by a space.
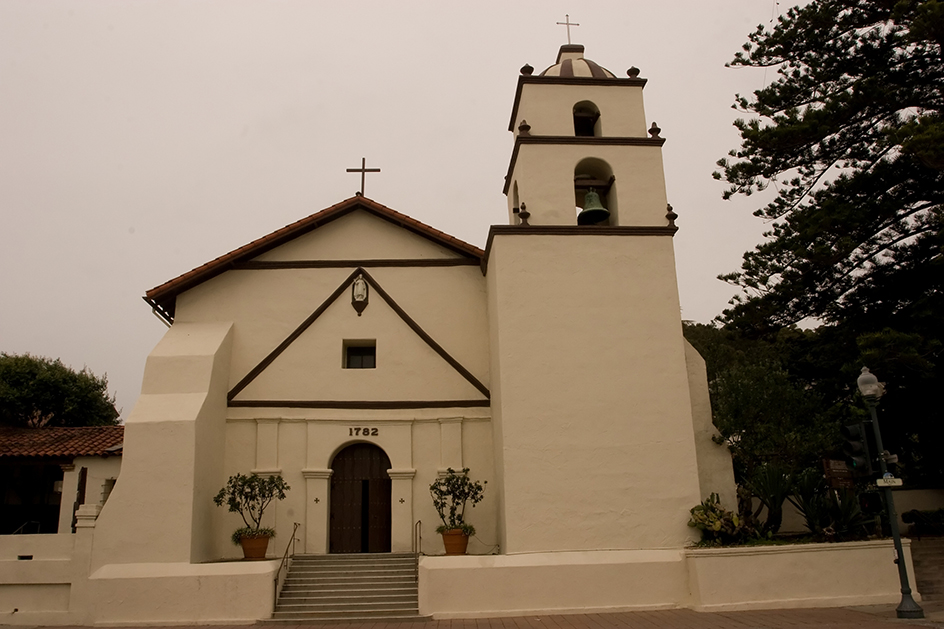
pixel 417 548
pixel 23 526
pixel 285 557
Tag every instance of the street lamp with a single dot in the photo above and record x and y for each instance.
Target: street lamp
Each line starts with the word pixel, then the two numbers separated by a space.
pixel 871 390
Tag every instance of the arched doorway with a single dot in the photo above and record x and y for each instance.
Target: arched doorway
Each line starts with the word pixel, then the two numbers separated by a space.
pixel 360 500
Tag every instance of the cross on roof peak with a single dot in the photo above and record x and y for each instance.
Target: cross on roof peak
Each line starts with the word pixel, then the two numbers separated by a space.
pixel 363 170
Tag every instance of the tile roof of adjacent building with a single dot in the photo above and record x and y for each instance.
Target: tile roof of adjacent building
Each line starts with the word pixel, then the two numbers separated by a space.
pixel 61 442
pixel 163 297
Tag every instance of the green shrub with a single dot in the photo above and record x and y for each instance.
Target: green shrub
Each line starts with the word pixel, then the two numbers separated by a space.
pixel 831 515
pixel 249 496
pixel 450 495
pixel 718 526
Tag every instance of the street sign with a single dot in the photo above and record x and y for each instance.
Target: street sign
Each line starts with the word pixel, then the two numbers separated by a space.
pixel 838 475
pixel 888 482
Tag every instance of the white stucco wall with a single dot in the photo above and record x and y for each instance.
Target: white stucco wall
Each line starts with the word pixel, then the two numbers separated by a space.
pixel 266 306
pixel 100 470
pixel 595 414
pixel 715 470
pixel 173 447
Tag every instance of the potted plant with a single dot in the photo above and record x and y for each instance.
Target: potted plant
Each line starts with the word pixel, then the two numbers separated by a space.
pixel 249 496
pixel 450 495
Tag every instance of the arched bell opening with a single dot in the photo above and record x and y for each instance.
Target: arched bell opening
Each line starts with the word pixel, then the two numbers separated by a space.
pixel 360 520
pixel 595 192
pixel 586 119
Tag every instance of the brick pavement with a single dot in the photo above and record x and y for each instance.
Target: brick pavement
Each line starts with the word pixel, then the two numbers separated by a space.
pixel 878 617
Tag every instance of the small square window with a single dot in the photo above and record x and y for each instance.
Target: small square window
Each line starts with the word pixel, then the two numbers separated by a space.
pixel 360 354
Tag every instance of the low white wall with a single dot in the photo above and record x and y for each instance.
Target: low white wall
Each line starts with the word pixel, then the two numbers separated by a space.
pixel 710 579
pixel 183 593
pixel 805 575
pixel 477 586
pixel 36 591
pixel 39 546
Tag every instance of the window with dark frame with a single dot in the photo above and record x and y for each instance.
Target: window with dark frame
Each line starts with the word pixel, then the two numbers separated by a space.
pixel 360 356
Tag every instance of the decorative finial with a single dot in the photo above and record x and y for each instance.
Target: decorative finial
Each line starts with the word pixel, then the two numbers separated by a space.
pixel 654 131
pixel 633 72
pixel 524 215
pixel 524 128
pixel 670 214
pixel 526 69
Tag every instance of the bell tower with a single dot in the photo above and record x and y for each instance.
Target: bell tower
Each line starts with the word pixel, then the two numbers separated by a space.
pixel 579 129
pixel 601 430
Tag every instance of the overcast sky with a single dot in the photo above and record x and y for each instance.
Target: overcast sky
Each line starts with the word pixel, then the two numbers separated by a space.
pixel 139 139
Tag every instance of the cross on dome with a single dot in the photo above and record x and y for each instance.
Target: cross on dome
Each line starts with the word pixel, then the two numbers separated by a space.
pixel 568 24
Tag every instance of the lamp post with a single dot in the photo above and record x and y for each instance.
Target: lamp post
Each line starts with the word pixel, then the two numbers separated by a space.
pixel 871 390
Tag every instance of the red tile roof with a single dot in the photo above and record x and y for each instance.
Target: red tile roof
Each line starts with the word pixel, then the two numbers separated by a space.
pixel 61 442
pixel 163 298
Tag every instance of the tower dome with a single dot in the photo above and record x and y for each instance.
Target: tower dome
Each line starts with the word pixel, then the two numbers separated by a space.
pixel 571 64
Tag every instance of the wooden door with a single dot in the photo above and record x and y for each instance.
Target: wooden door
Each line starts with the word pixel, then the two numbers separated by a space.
pixel 360 500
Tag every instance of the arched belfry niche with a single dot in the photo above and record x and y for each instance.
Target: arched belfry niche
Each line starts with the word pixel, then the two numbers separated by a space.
pixel 587 120
pixel 360 517
pixel 594 173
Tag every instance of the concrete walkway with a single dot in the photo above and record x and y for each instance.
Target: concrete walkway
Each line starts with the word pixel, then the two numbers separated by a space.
pixel 874 617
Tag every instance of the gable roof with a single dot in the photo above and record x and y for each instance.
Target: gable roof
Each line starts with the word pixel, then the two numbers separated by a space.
pixel 163 298
pixel 61 442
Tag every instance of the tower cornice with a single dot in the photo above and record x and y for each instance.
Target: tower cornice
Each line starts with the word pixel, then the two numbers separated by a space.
pixel 561 140
pixel 564 80
pixel 571 230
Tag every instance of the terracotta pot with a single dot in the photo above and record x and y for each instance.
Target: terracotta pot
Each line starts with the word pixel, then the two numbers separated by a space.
pixel 455 541
pixel 254 548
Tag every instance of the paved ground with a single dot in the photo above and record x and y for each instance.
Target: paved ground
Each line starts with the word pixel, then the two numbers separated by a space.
pixel 875 617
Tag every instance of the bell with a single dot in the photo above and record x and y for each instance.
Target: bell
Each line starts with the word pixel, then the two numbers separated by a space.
pixel 593 211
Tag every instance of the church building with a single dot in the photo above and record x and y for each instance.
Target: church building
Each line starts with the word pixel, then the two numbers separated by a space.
pixel 359 353
pixel 552 364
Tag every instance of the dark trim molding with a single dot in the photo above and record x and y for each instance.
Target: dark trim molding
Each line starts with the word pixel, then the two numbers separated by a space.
pixel 358 405
pixel 260 265
pixel 570 230
pixel 562 80
pixel 557 140
pixel 436 347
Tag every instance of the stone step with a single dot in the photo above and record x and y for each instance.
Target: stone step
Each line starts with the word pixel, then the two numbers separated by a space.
pixel 348 585
pixel 382 570
pixel 353 557
pixel 368 587
pixel 349 577
pixel 346 614
pixel 349 617
pixel 304 605
pixel 352 562
pixel 350 591
pixel 335 598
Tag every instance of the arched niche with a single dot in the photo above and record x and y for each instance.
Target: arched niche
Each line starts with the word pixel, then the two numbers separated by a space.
pixel 595 173
pixel 586 119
